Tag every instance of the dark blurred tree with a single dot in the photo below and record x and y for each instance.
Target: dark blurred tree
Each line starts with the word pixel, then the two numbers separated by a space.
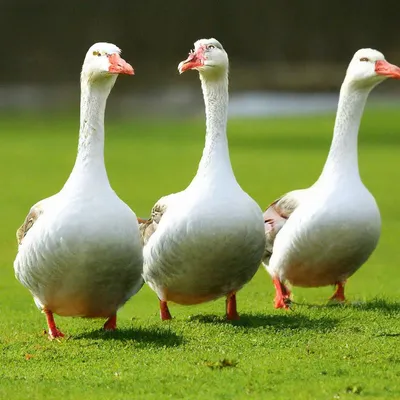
pixel 45 41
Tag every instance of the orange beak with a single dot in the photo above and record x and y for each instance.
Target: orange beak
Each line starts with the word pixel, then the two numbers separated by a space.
pixel 382 67
pixel 119 66
pixel 195 60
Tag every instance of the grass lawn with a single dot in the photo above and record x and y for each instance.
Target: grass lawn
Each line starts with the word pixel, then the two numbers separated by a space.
pixel 314 351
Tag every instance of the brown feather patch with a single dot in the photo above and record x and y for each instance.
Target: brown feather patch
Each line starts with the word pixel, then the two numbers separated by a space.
pixel 275 216
pixel 148 226
pixel 30 219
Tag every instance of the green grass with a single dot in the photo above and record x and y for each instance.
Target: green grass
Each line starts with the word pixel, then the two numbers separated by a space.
pixel 313 352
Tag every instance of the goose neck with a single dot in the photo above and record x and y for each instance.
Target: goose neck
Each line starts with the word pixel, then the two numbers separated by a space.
pixel 342 161
pixel 90 158
pixel 215 157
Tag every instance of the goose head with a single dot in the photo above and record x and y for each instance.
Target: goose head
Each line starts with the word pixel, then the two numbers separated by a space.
pixel 103 61
pixel 208 57
pixel 369 67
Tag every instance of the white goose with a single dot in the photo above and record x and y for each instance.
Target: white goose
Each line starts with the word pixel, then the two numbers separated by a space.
pixel 321 235
pixel 208 240
pixel 80 250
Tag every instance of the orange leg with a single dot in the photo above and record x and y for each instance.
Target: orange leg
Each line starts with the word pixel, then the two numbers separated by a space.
pixel 339 293
pixel 54 332
pixel 282 295
pixel 111 323
pixel 164 311
pixel 231 311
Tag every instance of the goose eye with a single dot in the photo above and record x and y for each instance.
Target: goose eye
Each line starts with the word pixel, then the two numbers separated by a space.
pixel 364 59
pixel 96 53
pixel 210 46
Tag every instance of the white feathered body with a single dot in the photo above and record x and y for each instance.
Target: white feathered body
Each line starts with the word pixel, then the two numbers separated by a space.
pixel 332 232
pixel 82 257
pixel 208 244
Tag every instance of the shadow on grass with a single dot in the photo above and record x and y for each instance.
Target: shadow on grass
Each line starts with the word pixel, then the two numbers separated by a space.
pixel 157 336
pixel 381 305
pixel 388 335
pixel 278 322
